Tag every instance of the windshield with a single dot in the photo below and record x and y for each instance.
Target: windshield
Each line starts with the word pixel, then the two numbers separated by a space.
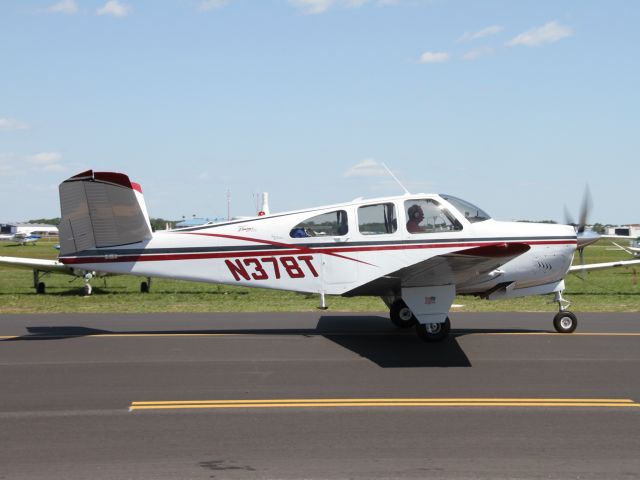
pixel 468 210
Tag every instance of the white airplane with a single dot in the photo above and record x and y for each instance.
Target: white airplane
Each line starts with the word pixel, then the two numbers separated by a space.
pixel 632 249
pixel 20 238
pixel 42 267
pixel 416 252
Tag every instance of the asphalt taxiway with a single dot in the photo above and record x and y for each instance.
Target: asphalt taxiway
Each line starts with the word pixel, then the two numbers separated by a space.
pixel 317 395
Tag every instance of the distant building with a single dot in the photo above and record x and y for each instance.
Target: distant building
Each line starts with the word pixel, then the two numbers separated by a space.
pixel 632 230
pixel 29 229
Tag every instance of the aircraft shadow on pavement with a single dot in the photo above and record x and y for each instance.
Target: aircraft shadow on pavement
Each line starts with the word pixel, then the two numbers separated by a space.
pixel 371 337
pixel 376 339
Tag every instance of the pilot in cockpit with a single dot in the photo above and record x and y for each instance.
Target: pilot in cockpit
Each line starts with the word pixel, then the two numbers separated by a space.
pixel 416 216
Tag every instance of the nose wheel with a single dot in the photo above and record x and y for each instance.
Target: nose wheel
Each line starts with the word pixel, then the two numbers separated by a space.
pixel 565 322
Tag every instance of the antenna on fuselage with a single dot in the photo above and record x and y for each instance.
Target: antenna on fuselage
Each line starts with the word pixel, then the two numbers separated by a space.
pixel 396 179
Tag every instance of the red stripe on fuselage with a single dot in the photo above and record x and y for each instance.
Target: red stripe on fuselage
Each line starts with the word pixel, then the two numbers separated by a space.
pixel 296 250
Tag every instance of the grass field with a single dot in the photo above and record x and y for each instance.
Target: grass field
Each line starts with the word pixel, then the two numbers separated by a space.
pixel 612 290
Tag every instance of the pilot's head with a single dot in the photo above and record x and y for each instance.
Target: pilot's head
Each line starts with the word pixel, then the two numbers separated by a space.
pixel 415 213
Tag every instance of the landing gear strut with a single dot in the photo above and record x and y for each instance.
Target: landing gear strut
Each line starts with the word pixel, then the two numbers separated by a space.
pixel 564 321
pixel 87 285
pixel 37 284
pixel 145 287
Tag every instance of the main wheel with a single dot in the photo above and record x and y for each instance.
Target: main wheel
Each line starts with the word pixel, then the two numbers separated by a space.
pixel 41 287
pixel 565 322
pixel 401 315
pixel 433 332
pixel 87 289
pixel 144 287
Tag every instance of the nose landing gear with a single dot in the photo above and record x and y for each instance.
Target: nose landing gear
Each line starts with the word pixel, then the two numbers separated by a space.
pixel 564 321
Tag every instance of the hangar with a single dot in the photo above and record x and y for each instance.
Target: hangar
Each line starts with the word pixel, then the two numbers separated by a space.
pixel 41 229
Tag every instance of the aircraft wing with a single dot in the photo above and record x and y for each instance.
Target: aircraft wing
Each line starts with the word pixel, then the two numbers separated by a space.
pixel 464 266
pixel 630 237
pixel 600 266
pixel 39 264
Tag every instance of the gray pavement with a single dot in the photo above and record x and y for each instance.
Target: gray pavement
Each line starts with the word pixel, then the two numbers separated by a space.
pixel 68 382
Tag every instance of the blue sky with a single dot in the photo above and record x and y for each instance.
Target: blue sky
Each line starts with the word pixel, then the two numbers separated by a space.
pixel 513 105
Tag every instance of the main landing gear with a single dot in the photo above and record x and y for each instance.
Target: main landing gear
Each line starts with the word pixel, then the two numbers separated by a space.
pixel 564 321
pixel 433 332
pixel 402 317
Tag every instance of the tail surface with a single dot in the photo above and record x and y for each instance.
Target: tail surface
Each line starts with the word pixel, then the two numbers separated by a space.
pixel 101 209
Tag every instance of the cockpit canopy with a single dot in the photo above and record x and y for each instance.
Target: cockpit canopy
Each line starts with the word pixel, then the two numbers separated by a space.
pixel 467 210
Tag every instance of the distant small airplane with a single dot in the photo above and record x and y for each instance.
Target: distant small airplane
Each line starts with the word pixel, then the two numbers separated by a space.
pixel 20 238
pixel 415 251
pixel 633 248
pixel 41 267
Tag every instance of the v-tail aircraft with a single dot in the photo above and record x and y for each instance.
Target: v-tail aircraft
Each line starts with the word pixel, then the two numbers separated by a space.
pixel 42 267
pixel 415 251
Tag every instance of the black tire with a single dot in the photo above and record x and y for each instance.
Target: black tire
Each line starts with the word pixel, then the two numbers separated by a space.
pixel 401 315
pixel 144 287
pixel 433 332
pixel 87 289
pixel 41 288
pixel 565 322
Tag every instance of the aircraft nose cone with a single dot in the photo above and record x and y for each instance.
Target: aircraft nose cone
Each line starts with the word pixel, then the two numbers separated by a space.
pixel 587 237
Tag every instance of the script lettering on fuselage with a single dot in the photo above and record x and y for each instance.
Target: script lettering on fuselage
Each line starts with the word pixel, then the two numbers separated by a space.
pixel 264 268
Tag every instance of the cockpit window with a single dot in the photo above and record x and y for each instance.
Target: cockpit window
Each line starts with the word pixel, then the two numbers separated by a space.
pixel 468 210
pixel 378 219
pixel 428 216
pixel 332 224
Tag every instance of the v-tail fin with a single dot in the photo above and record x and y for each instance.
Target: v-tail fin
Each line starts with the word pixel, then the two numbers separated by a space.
pixel 101 209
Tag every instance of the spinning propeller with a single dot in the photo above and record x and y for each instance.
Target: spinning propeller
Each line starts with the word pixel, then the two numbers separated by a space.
pixel 584 237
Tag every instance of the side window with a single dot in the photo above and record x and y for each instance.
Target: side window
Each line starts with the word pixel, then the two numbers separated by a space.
pixel 428 216
pixel 378 219
pixel 333 224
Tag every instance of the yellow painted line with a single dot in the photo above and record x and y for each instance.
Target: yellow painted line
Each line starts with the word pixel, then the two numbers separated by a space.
pixel 388 400
pixel 329 405
pixel 406 402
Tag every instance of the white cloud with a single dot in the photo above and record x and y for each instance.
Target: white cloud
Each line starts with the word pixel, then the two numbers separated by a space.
pixel 548 33
pixel 366 168
pixel 64 6
pixel 12 164
pixel 478 53
pixel 206 5
pixel 7 124
pixel 114 8
pixel 434 57
pixel 312 6
pixel 49 161
pixel 485 32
